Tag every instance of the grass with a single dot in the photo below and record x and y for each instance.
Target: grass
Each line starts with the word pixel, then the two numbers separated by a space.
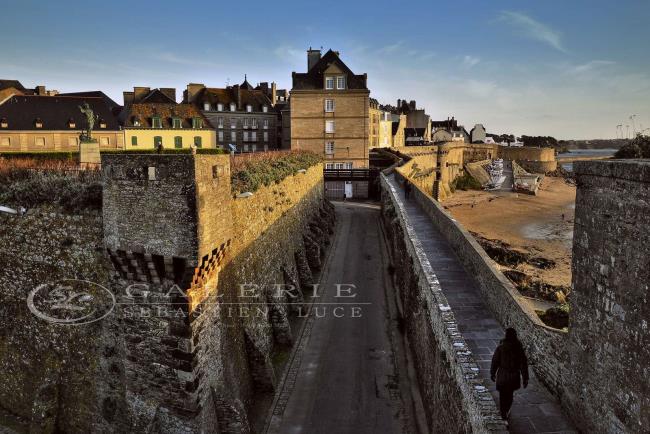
pixel 465 182
pixel 249 172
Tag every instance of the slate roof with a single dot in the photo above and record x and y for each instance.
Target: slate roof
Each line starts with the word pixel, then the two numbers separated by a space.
pixel 157 96
pixel 313 79
pixel 144 112
pixel 94 93
pixel 4 84
pixel 214 95
pixel 55 112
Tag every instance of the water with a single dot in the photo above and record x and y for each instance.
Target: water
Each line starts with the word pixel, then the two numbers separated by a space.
pixel 608 152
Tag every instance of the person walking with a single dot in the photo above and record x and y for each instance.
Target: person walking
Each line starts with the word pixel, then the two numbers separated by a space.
pixel 509 365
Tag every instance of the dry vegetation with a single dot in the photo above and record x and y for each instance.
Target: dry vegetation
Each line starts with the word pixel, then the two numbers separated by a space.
pixel 32 182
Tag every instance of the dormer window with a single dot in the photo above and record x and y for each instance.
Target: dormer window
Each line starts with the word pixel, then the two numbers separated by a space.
pixel 220 107
pixel 102 123
pixel 4 123
pixel 249 108
pixel 72 123
pixel 38 123
pixel 265 109
pixel 136 122
pixel 176 122
pixel 340 82
pixel 197 123
pixel 206 106
pixel 156 122
pixel 233 107
pixel 329 83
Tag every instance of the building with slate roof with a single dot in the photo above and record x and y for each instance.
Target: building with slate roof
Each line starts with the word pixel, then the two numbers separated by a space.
pixel 39 122
pixel 152 117
pixel 244 116
pixel 330 111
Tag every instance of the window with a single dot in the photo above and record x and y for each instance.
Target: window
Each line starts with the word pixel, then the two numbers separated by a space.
pixel 340 82
pixel 253 136
pixel 102 123
pixel 233 137
pixel 220 136
pixel 245 136
pixel 247 122
pixel 206 106
pixel 176 123
pixel 329 127
pixel 220 107
pixel 329 148
pixel 4 123
pixel 249 108
pixel 156 122
pixel 72 123
pixel 157 141
pixel 265 109
pixel 329 82
pixel 253 123
pixel 198 141
pixel 40 141
pixel 233 107
pixel 220 122
pixel 178 142
pixel 197 123
pixel 136 122
pixel 5 141
pixel 329 105
pixel 265 123
pixel 245 148
pixel 38 123
pixel 104 141
pixel 266 136
pixel 134 141
pixel 254 148
pixel 233 123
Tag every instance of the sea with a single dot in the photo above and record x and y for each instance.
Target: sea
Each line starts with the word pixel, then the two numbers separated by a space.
pixel 583 153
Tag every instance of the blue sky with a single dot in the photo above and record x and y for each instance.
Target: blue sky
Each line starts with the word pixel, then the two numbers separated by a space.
pixel 572 69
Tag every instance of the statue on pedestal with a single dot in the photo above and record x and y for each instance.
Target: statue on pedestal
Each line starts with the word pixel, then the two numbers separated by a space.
pixel 86 136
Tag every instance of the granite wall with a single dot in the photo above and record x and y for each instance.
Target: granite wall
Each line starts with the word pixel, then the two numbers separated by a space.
pixel 452 394
pixel 609 337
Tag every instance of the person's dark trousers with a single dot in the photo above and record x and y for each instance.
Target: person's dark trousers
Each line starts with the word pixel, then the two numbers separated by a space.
pixel 505 401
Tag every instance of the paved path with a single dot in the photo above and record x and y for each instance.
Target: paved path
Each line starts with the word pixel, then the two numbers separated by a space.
pixel 535 410
pixel 349 374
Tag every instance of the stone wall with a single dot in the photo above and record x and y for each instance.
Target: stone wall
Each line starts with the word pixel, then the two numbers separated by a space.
pixel 609 338
pixel 452 394
pixel 545 346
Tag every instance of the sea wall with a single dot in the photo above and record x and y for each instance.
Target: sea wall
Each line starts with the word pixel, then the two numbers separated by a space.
pixel 609 337
pixel 544 345
pixel 452 394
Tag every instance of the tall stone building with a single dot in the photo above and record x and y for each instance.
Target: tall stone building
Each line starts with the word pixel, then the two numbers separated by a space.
pixel 244 116
pixel 330 111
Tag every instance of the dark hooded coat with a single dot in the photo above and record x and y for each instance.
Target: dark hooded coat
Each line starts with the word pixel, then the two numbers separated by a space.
pixel 509 364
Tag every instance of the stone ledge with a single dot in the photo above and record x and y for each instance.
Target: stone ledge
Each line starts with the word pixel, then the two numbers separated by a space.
pixel 632 170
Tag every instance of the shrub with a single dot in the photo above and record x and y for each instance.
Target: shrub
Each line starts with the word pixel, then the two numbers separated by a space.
pixel 465 182
pixel 636 148
pixel 249 172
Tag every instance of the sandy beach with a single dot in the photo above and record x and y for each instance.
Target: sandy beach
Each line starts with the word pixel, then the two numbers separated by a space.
pixel 540 226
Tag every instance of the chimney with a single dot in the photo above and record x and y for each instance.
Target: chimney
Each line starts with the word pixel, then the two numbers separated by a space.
pixel 412 104
pixel 399 103
pixel 274 93
pixel 264 87
pixel 192 91
pixel 128 98
pixel 139 93
pixel 169 92
pixel 313 56
pixel 237 91
pixel 40 91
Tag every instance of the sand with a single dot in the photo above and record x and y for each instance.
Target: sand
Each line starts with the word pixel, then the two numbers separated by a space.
pixel 531 224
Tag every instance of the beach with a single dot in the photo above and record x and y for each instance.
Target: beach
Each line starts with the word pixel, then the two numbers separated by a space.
pixel 539 227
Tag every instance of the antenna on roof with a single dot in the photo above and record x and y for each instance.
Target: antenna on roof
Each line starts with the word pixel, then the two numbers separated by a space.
pixel 227 81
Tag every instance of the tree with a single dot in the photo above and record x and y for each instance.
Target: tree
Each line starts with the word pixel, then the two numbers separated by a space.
pixel 639 147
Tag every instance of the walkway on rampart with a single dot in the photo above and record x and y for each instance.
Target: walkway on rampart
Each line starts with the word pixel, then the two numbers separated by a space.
pixel 535 410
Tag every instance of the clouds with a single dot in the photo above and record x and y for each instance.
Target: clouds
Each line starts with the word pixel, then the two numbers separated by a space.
pixel 533 29
pixel 470 61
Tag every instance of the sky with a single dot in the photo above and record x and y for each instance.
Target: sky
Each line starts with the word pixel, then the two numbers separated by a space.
pixel 570 69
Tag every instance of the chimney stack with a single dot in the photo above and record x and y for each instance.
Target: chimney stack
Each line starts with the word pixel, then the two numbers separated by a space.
pixel 313 56
pixel 40 91
pixel 192 91
pixel 412 104
pixel 237 91
pixel 139 93
pixel 274 93
pixel 128 98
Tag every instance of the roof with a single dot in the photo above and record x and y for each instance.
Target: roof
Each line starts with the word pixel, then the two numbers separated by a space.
pixel 157 96
pixel 246 85
pixel 225 96
pixel 94 93
pixel 4 83
pixel 55 112
pixel 144 112
pixel 313 79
